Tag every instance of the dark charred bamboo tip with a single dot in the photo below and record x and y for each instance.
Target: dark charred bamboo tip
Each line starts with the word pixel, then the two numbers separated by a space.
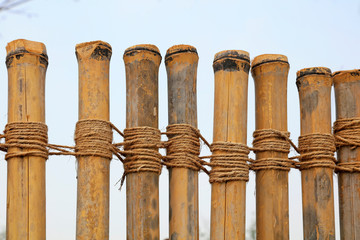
pixel 268 58
pixel 97 50
pixel 234 54
pixel 90 45
pixel 180 49
pixel 21 46
pixel 314 70
pixel 231 60
pixel 142 47
pixel 346 76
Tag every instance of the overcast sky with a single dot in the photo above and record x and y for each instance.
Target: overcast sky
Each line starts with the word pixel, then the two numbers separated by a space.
pixel 309 33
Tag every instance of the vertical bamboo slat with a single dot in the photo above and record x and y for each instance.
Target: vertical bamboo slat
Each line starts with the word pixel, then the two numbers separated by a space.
pixel 26 62
pixel 270 73
pixel 181 66
pixel 347 96
pixel 228 199
pixel 314 85
pixel 142 189
pixel 92 218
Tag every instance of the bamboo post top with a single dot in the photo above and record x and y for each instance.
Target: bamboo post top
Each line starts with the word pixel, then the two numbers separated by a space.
pixel 346 76
pixel 25 46
pixel 313 70
pixel 130 51
pixel 231 68
pixel 98 50
pixel 268 58
pixel 314 85
pixel 142 65
pixel 237 54
pixel 231 60
pixel 306 76
pixel 347 85
pixel 179 49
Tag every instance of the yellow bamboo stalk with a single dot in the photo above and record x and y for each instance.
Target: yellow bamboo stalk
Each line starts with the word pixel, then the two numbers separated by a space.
pixel 181 66
pixel 26 62
pixel 270 73
pixel 314 85
pixel 92 216
pixel 142 188
pixel 347 97
pixel 228 199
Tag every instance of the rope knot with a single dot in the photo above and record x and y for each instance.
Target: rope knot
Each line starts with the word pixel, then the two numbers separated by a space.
pixel 93 137
pixel 275 141
pixel 30 137
pixel 347 132
pixel 229 162
pixel 183 147
pixel 316 150
pixel 141 146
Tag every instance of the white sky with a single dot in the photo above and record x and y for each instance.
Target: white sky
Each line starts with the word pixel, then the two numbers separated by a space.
pixel 309 33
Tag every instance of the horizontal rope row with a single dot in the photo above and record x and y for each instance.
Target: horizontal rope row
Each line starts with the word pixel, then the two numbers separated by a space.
pixel 229 161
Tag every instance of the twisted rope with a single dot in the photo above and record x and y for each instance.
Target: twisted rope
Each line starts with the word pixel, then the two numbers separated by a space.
pixel 229 162
pixel 183 147
pixel 93 137
pixel 316 150
pixel 141 145
pixel 347 134
pixel 30 137
pixel 275 141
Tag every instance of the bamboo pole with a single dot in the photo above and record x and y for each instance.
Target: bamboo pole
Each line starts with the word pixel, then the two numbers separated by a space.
pixel 142 189
pixel 181 66
pixel 228 199
pixel 314 85
pixel 347 89
pixel 26 62
pixel 270 73
pixel 92 219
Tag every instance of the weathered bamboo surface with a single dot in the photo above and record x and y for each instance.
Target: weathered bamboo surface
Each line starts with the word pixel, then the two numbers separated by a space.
pixel 347 97
pixel 92 216
pixel 270 73
pixel 142 188
pixel 228 200
pixel 26 62
pixel 181 66
pixel 314 85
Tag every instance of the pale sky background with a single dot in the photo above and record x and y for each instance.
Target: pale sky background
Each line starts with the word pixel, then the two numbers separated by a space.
pixel 309 33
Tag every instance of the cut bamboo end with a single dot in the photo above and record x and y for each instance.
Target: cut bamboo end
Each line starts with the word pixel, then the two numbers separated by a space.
pixel 313 70
pixel 231 60
pixel 180 49
pixel 268 58
pixel 25 46
pixel 141 47
pixel 307 76
pixel 346 76
pixel 237 54
pixel 97 50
